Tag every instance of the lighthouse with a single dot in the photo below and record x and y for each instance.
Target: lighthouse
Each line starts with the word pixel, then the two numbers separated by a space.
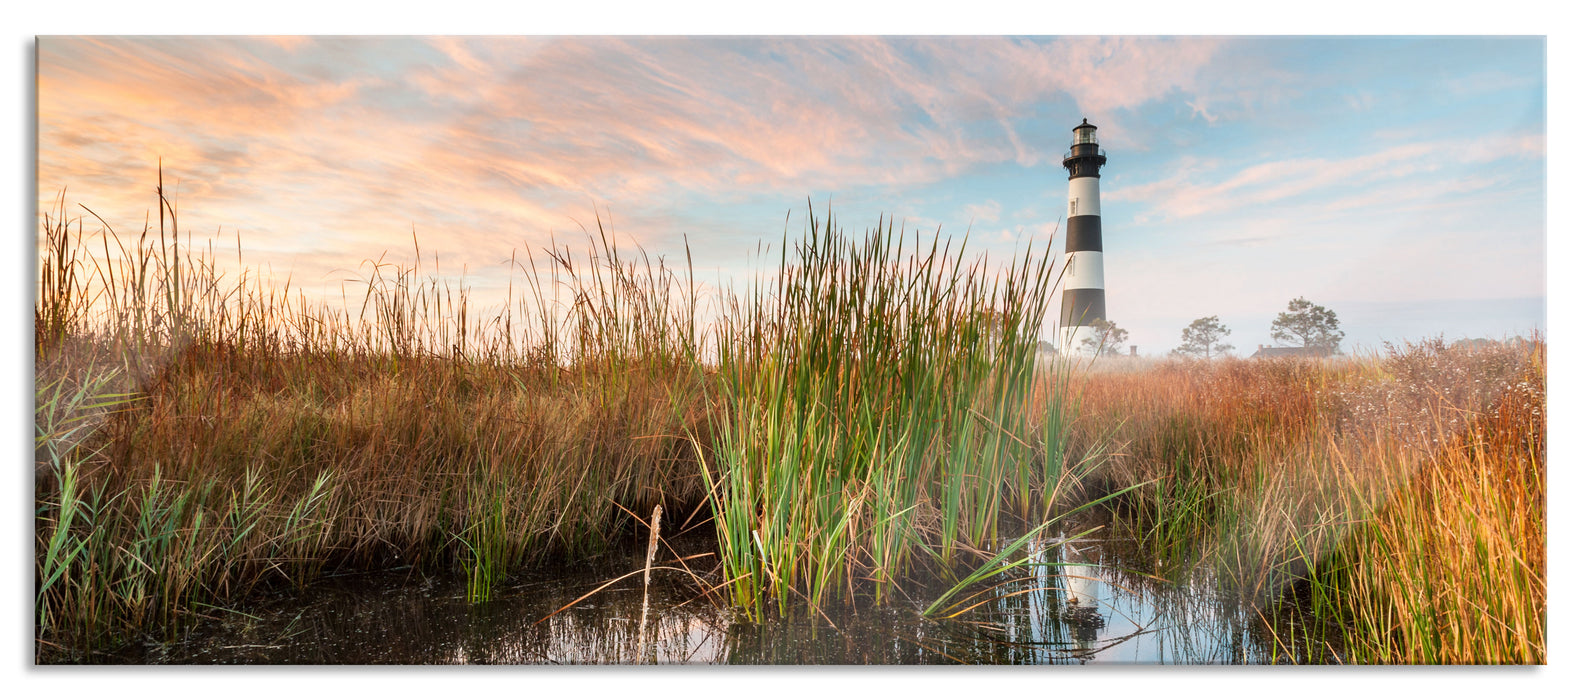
pixel 1082 301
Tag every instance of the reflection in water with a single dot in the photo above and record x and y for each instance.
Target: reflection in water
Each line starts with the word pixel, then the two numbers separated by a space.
pixel 1076 602
pixel 1087 604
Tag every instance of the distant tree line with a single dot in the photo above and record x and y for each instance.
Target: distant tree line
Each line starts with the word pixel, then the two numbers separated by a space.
pixel 1302 324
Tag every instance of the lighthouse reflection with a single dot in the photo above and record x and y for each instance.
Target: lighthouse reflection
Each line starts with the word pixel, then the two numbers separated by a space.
pixel 1065 605
pixel 1080 609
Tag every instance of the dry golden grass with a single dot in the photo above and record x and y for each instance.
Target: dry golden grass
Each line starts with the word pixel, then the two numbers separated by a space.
pixel 198 437
pixel 1399 498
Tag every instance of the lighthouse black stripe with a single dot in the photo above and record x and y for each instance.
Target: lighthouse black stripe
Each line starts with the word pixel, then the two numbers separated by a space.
pixel 1081 307
pixel 1084 167
pixel 1082 233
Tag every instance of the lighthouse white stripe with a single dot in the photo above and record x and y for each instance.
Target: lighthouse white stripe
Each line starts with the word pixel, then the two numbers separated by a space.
pixel 1084 270
pixel 1085 192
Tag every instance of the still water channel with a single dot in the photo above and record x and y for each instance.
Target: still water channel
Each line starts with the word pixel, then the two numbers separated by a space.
pixel 1092 608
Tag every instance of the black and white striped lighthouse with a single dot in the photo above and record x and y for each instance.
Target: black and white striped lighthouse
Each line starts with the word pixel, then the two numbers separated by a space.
pixel 1082 302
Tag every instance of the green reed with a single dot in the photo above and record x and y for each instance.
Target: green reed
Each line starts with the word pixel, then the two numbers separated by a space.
pixel 876 408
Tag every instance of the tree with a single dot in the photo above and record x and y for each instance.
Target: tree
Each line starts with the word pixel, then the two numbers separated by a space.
pixel 1203 337
pixel 1310 324
pixel 1109 339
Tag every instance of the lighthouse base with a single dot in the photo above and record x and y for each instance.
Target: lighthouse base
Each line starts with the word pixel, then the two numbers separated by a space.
pixel 1072 337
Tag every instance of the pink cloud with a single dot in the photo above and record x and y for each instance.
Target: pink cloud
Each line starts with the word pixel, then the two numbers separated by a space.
pixel 605 113
pixel 324 152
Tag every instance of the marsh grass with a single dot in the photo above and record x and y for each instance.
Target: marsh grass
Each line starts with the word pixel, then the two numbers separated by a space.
pixel 869 423
pixel 202 435
pixel 1452 569
pixel 876 393
pixel 1397 499
pixel 870 408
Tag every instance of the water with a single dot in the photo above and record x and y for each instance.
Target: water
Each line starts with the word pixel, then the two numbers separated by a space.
pixel 1093 607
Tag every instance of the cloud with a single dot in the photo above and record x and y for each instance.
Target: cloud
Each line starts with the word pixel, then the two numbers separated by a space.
pixel 1360 101
pixel 1486 81
pixel 987 212
pixel 1199 109
pixel 732 111
pixel 349 143
pixel 1193 190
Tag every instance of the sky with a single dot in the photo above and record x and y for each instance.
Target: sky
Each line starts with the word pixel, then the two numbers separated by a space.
pixel 1399 181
